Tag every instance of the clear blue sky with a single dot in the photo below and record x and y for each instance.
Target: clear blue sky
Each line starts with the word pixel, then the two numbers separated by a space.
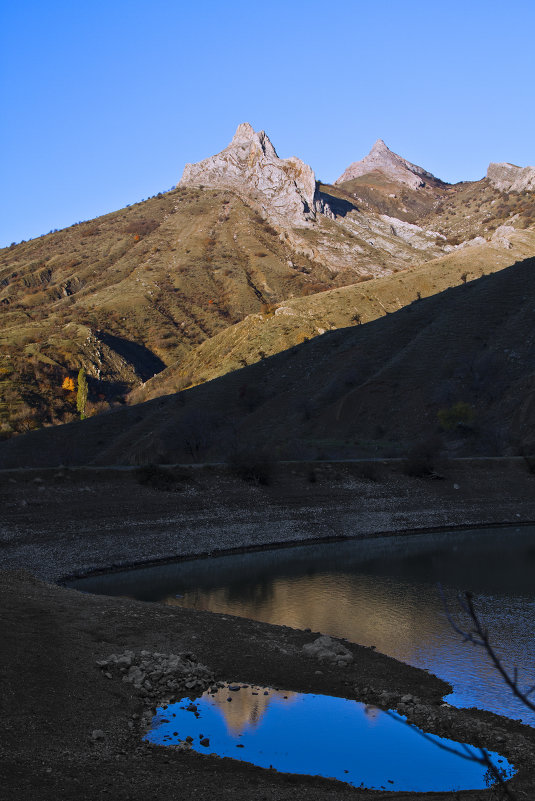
pixel 103 102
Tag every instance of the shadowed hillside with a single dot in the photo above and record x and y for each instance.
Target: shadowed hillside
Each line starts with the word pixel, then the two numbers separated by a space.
pixel 455 371
pixel 281 326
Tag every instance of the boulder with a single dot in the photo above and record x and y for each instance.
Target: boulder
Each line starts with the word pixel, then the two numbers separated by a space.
pixel 510 178
pixel 502 237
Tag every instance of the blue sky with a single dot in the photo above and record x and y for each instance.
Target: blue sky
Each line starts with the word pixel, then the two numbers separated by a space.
pixel 103 102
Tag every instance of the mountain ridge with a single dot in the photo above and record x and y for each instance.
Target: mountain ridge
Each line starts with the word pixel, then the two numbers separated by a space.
pixel 141 289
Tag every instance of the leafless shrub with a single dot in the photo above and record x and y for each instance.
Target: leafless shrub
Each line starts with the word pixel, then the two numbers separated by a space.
pixel 252 465
pixel 141 227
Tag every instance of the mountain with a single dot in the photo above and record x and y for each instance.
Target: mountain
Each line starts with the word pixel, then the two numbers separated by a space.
pixel 453 371
pixel 243 259
pixel 284 189
pixel 393 167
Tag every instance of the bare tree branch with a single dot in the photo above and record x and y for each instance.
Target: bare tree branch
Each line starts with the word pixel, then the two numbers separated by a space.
pixel 471 754
pixel 479 636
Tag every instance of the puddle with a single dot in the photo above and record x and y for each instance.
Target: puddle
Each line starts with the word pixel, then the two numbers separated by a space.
pixel 321 735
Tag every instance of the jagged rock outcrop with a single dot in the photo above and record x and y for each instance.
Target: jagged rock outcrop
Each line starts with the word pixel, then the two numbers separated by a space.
pixel 510 178
pixel 284 188
pixel 502 237
pixel 393 167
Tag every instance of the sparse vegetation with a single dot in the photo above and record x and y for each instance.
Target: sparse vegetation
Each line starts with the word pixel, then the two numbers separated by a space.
pixel 460 414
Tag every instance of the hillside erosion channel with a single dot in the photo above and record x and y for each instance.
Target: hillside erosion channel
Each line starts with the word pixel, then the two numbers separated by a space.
pixel 73 729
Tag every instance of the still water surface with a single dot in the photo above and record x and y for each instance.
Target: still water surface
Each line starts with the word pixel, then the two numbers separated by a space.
pixel 322 736
pixel 380 592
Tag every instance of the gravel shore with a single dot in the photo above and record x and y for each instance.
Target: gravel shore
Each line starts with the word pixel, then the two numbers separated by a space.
pixel 55 696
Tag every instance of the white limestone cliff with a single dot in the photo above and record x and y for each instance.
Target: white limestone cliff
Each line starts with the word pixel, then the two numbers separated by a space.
pixel 393 167
pixel 510 178
pixel 283 188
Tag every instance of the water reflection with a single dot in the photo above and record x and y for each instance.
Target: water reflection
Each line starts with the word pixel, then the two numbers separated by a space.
pixel 244 711
pixel 380 592
pixel 320 735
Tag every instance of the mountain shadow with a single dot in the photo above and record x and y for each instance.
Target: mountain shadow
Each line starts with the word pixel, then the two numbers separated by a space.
pixel 338 205
pixel 144 361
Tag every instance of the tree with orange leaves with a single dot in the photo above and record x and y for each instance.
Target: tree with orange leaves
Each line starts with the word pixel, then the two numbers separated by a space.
pixel 68 384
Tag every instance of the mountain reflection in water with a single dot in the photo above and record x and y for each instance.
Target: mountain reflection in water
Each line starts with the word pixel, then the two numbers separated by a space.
pixel 380 592
pixel 319 735
pixel 248 708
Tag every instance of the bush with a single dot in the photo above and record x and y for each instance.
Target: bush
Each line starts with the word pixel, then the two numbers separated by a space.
pixel 159 478
pixel 253 466
pixel 418 466
pixel 268 309
pixel 368 471
pixel 420 462
pixel 460 414
pixel 141 227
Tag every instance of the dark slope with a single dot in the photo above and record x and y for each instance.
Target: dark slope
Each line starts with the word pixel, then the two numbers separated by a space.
pixel 374 389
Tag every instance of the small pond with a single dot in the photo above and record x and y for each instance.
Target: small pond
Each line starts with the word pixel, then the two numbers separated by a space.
pixel 322 736
pixel 381 592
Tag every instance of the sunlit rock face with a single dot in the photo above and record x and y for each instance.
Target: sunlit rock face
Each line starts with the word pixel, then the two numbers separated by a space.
pixel 510 178
pixel 284 188
pixel 392 166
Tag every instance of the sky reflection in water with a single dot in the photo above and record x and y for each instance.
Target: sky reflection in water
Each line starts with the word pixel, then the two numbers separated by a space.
pixel 320 735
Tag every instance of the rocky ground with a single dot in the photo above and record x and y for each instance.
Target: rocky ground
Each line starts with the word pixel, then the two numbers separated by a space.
pixel 73 715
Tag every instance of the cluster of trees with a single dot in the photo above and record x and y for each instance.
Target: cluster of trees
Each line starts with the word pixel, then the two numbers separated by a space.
pixel 81 389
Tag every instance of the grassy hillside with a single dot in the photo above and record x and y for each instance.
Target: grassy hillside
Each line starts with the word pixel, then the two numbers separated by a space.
pixel 452 372
pixel 130 292
pixel 281 326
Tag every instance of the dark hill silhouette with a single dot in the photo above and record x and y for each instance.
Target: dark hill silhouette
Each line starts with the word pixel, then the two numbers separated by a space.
pixel 465 356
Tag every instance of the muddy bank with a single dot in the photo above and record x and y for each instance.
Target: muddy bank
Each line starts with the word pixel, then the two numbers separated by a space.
pixel 70 731
pixel 55 696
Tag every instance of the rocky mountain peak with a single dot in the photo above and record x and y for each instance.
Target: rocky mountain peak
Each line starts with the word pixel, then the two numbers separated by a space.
pixel 510 178
pixel 283 188
pixel 379 147
pixel 244 132
pixel 245 135
pixel 393 167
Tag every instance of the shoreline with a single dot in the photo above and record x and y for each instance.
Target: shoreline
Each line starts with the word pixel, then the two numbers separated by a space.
pixel 56 696
pixel 65 523
pixel 63 581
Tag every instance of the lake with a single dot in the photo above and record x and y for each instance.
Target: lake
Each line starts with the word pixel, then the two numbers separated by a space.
pixel 381 592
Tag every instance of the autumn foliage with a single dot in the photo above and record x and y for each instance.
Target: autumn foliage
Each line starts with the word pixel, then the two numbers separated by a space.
pixel 68 384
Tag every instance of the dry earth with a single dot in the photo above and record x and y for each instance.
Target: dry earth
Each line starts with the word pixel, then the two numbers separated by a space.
pixel 54 695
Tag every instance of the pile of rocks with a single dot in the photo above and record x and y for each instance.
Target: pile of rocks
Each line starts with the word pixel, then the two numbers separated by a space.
pixel 325 649
pixel 157 675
